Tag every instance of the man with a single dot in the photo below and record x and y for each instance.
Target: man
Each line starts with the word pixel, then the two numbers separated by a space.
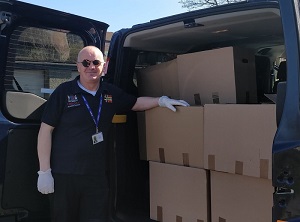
pixel 74 132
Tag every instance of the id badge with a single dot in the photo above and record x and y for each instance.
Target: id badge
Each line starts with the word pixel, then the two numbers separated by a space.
pixel 97 138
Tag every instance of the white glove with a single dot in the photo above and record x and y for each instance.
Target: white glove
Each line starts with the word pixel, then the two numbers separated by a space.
pixel 45 183
pixel 165 101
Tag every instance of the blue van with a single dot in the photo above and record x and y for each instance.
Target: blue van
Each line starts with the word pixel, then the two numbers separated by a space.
pixel 38 51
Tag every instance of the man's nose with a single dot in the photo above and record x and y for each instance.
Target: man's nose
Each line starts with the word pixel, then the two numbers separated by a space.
pixel 92 66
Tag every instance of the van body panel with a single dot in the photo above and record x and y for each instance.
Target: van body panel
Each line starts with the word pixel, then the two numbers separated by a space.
pixel 286 143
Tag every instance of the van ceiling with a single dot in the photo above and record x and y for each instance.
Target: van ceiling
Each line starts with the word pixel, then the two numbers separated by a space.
pixel 257 29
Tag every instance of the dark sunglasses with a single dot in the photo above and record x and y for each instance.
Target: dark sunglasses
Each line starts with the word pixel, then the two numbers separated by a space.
pixel 86 63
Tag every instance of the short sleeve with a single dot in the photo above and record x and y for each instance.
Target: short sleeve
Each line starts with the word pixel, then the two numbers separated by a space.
pixel 122 100
pixel 54 107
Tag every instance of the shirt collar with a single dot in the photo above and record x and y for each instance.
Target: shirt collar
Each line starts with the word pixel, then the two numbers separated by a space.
pixel 77 90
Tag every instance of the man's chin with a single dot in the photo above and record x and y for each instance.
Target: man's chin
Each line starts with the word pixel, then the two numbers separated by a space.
pixel 95 77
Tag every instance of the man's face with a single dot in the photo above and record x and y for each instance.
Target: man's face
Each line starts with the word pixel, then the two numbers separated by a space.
pixel 90 65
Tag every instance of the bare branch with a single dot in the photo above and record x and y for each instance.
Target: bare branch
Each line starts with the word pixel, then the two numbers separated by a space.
pixel 197 4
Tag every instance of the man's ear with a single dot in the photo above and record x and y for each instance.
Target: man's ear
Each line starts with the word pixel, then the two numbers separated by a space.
pixel 104 69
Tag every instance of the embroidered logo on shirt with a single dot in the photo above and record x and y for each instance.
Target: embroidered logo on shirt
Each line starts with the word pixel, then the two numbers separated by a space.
pixel 108 98
pixel 72 101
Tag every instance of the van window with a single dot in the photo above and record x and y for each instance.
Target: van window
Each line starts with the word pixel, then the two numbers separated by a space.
pixel 38 61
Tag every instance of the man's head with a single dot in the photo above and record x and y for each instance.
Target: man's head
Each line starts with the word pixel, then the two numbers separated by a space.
pixel 90 64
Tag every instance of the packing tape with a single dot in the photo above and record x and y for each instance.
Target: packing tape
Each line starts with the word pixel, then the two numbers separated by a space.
pixel 161 152
pixel 178 218
pixel 215 97
pixel 159 213
pixel 185 159
pixel 211 162
pixel 264 168
pixel 222 219
pixel 197 99
pixel 239 167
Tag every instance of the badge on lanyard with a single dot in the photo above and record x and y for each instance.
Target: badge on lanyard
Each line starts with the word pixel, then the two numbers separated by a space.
pixel 98 136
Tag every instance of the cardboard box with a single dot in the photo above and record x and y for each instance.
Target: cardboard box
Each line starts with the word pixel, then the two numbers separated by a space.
pixel 240 198
pixel 224 75
pixel 172 137
pixel 238 138
pixel 178 193
pixel 159 80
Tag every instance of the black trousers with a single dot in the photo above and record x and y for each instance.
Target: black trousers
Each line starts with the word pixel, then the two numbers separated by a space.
pixel 79 198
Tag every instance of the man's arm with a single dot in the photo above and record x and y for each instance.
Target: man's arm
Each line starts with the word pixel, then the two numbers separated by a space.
pixel 145 103
pixel 45 183
pixel 44 146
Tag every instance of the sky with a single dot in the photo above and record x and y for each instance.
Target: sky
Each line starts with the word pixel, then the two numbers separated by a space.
pixel 117 13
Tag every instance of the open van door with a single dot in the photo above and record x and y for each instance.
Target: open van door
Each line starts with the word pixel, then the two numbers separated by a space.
pixel 129 175
pixel 286 146
pixel 38 51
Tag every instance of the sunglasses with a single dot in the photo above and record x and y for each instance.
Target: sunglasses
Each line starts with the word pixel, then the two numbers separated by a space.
pixel 86 63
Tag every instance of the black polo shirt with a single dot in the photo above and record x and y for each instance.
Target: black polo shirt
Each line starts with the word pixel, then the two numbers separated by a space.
pixel 72 150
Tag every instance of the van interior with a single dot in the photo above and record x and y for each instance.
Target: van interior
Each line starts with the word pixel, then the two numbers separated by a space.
pixel 259 30
pixel 146 46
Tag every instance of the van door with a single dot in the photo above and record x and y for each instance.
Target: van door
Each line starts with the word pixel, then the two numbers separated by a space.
pixel 286 145
pixel 130 180
pixel 38 51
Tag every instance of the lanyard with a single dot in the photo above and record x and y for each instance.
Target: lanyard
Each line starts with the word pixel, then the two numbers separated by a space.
pixel 90 110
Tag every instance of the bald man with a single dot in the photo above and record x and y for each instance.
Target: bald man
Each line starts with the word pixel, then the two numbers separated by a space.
pixel 73 137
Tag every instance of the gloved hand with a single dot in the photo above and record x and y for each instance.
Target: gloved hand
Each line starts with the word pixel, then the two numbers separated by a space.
pixel 45 183
pixel 165 101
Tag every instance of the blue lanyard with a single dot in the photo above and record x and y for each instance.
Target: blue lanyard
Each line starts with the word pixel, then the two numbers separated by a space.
pixel 90 110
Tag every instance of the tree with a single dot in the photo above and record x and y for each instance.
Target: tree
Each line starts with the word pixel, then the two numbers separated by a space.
pixel 197 4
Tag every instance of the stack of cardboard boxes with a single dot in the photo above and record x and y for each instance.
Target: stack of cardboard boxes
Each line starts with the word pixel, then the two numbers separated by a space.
pixel 209 162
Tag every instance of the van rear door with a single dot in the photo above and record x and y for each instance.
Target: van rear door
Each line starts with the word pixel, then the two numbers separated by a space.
pixel 286 155
pixel 38 51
